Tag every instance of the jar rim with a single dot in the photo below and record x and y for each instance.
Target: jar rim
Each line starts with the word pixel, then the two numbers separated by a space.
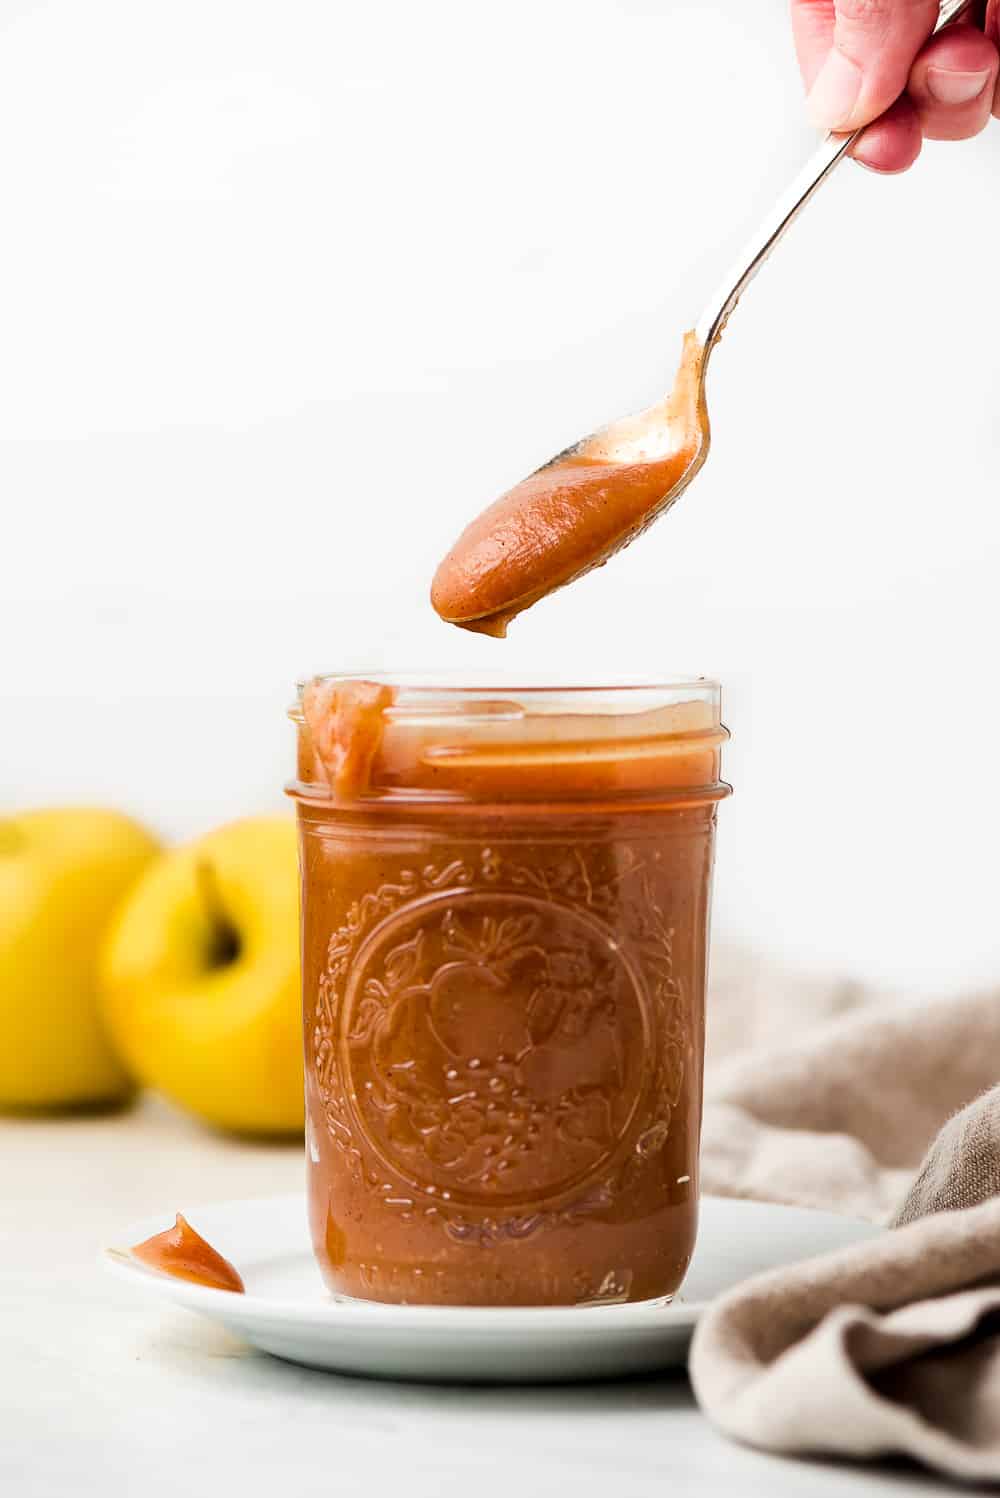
pixel 450 691
pixel 497 679
pixel 451 742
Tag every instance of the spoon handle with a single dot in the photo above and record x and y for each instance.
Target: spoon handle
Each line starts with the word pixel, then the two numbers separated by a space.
pixel 784 213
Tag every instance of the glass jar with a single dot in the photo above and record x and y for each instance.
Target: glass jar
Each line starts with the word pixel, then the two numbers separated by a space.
pixel 505 908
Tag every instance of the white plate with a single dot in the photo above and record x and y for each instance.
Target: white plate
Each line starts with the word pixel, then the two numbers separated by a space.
pixel 288 1312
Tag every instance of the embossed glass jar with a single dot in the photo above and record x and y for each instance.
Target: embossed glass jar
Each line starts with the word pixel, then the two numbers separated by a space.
pixel 505 906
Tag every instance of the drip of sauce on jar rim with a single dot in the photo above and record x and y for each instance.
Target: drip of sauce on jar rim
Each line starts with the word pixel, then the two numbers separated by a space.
pixel 186 1255
pixel 577 511
pixel 346 722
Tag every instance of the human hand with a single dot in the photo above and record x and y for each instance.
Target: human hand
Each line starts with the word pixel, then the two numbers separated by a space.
pixel 867 61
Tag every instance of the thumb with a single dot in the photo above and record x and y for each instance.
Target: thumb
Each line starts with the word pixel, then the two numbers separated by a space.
pixel 874 46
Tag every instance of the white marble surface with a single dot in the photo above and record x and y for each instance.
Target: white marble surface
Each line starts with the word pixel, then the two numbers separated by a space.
pixel 102 1392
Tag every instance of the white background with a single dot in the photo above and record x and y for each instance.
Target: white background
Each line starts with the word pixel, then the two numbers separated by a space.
pixel 287 291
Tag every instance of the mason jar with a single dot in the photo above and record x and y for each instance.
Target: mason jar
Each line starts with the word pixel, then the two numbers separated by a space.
pixel 505 914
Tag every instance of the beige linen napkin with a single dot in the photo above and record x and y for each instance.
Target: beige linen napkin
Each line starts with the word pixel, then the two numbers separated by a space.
pixel 892 1346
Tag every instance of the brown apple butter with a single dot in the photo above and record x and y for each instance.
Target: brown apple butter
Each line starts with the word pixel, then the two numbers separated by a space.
pixel 184 1253
pixel 505 899
pixel 574 513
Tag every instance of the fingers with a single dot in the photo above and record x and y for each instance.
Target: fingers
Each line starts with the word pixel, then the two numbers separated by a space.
pixel 858 56
pixel 893 143
pixel 953 84
pixel 872 49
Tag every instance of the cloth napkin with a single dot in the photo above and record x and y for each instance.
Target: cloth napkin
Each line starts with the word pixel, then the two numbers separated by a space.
pixel 886 1110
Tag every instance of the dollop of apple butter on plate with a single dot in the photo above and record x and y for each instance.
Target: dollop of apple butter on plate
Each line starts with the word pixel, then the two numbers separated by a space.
pixel 181 1251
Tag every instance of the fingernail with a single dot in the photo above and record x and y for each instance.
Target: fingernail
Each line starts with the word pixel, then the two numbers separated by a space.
pixel 835 92
pixel 955 88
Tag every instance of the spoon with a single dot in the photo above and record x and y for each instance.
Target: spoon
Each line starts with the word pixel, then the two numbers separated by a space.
pixel 591 500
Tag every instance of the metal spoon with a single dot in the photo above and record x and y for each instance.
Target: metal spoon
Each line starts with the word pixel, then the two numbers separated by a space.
pixel 598 495
pixel 787 209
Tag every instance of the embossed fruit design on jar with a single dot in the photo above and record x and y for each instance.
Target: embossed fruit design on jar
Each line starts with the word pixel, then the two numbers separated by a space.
pixel 505 901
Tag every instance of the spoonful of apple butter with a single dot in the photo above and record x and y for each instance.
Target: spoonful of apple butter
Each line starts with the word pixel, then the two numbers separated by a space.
pixel 578 510
pixel 590 501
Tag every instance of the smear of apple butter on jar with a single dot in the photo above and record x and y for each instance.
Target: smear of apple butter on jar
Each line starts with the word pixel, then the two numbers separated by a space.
pixel 186 1255
pixel 345 720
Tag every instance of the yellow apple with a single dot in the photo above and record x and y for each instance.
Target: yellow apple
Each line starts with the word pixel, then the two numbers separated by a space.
pixel 62 873
pixel 200 978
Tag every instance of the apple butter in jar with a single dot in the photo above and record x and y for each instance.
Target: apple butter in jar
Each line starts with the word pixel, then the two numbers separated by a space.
pixel 505 907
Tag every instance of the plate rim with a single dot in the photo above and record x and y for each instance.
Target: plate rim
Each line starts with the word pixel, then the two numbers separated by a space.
pixel 678 1314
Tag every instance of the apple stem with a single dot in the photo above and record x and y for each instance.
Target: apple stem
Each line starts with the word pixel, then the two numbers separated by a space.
pixel 224 942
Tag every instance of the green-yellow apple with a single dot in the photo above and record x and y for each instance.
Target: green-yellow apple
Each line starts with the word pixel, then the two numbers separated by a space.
pixel 200 978
pixel 62 873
